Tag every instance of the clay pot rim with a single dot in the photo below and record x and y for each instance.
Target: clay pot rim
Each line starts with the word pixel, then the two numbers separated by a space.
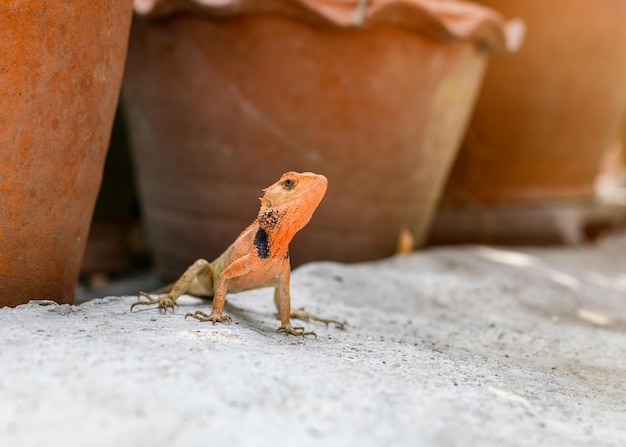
pixel 445 20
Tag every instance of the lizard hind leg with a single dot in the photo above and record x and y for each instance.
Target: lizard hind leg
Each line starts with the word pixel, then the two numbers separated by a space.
pixel 164 302
pixel 198 276
pixel 301 314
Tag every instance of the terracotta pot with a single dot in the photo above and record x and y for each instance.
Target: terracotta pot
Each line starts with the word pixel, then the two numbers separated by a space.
pixel 60 70
pixel 225 97
pixel 542 122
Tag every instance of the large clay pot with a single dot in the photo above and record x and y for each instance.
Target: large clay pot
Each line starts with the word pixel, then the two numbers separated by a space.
pixel 61 64
pixel 542 122
pixel 224 96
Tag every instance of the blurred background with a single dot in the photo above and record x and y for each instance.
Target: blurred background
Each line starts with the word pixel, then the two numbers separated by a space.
pixel 508 131
pixel 435 121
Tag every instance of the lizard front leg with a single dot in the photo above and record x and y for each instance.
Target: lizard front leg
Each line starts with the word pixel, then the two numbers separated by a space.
pixel 238 268
pixel 200 270
pixel 282 300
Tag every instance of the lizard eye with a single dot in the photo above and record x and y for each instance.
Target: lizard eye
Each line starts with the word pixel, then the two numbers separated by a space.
pixel 289 183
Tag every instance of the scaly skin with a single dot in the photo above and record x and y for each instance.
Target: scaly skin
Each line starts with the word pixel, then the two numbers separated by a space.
pixel 259 257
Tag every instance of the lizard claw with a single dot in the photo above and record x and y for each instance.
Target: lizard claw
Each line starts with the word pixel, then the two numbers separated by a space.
pixel 164 302
pixel 213 318
pixel 298 331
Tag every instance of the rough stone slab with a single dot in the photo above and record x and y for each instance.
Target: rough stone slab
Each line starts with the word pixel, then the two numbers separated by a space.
pixel 472 346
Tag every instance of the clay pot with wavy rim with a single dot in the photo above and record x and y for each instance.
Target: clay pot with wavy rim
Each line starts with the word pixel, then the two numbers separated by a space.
pixel 545 116
pixel 61 66
pixel 224 96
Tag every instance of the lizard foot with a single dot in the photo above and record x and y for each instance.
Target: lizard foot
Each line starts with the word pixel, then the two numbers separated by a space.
pixel 201 316
pixel 298 331
pixel 164 302
pixel 300 314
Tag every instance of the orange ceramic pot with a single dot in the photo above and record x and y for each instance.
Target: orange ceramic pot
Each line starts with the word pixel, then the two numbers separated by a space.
pixel 542 122
pixel 61 65
pixel 223 97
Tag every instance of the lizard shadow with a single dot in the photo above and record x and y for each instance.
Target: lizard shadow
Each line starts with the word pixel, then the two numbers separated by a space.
pixel 262 322
pixel 265 322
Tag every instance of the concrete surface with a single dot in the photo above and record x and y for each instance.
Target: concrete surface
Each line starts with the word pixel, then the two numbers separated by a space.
pixel 471 346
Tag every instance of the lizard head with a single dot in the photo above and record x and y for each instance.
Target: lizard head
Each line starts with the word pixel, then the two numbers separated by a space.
pixel 290 202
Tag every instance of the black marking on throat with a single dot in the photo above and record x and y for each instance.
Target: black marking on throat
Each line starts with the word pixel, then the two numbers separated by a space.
pixel 261 242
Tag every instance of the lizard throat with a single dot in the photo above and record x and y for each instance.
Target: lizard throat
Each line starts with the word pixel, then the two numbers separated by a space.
pixel 272 241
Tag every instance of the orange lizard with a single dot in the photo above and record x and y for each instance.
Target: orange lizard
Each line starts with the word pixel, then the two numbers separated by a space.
pixel 259 257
